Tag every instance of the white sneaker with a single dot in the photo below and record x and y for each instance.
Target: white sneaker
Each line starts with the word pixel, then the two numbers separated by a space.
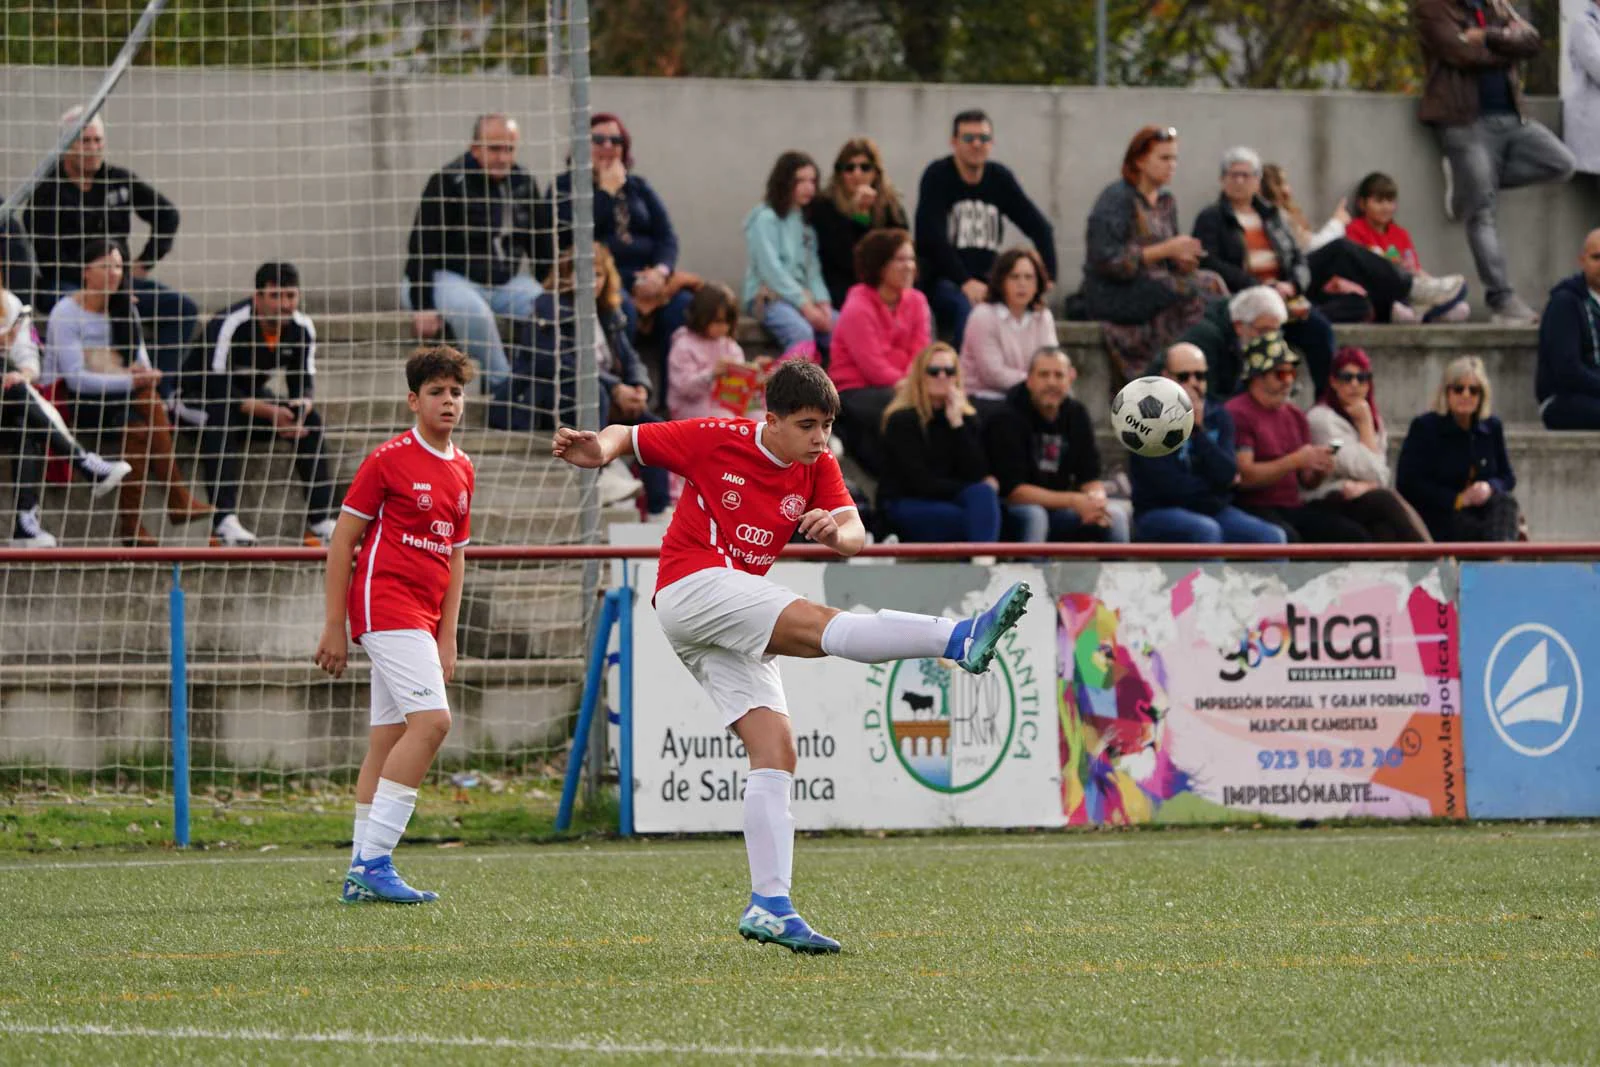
pixel 106 474
pixel 1514 312
pixel 320 533
pixel 230 533
pixel 1428 292
pixel 28 533
pixel 1400 314
pixel 617 484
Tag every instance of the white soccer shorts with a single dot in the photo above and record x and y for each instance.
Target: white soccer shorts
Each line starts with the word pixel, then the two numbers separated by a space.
pixel 406 675
pixel 719 621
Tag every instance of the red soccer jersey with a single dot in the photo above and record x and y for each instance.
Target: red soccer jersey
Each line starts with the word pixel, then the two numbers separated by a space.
pixel 742 503
pixel 418 500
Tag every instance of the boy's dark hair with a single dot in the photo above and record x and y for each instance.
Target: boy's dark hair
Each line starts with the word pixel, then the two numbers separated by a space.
pixel 279 274
pixel 436 361
pixel 971 115
pixel 780 181
pixel 1378 186
pixel 798 385
pixel 713 303
pixel 874 252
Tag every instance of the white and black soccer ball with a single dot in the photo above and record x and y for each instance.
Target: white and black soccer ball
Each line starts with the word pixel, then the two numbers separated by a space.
pixel 1152 416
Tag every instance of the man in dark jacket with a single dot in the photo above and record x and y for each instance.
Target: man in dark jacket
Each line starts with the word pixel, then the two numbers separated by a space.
pixel 1473 96
pixel 243 347
pixel 481 216
pixel 963 201
pixel 1230 325
pixel 1042 451
pixel 1568 380
pixel 1187 496
pixel 85 199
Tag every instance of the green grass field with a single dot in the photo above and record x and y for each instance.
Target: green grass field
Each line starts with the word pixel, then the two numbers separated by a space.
pixel 1373 945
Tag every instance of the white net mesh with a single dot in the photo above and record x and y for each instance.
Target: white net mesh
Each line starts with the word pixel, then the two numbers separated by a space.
pixel 301 133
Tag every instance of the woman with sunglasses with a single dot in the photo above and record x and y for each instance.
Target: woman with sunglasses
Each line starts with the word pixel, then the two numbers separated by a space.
pixel 1345 418
pixel 936 484
pixel 858 198
pixel 1453 466
pixel 1141 276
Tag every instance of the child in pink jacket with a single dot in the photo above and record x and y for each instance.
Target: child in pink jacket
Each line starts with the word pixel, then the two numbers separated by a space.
pixel 699 352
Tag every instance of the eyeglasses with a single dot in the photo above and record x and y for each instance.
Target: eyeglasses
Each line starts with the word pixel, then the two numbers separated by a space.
pixel 600 140
pixel 1184 376
pixel 1461 388
pixel 941 372
pixel 860 165
pixel 1354 376
pixel 1239 175
pixel 976 138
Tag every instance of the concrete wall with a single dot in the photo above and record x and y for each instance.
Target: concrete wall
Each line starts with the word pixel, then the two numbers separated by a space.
pixel 324 168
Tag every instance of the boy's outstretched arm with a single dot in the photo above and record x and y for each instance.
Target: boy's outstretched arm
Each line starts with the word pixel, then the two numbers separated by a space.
pixel 588 448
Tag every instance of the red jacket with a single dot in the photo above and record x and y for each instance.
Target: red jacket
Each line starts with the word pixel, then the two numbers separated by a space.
pixel 873 346
pixel 1394 243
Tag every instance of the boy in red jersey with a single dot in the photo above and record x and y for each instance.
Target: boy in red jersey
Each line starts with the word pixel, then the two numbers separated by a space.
pixel 403 599
pixel 749 486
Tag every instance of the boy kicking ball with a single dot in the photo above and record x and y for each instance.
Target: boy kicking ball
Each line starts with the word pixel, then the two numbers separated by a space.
pixel 750 486
pixel 403 599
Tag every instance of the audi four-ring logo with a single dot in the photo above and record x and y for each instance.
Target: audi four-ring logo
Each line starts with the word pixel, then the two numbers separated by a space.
pixel 443 527
pixel 754 535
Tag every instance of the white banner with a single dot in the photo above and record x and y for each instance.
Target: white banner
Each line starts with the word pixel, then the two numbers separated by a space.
pixel 914 744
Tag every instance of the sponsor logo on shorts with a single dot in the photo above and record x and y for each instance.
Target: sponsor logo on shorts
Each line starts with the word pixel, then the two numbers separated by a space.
pixel 443 527
pixel 424 502
pixel 793 506
pixel 731 500
pixel 423 692
pixel 754 535
pixel 730 477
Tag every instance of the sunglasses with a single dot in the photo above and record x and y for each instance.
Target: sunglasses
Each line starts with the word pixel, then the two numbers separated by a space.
pixel 976 138
pixel 1354 376
pixel 1184 376
pixel 861 166
pixel 1285 374
pixel 1170 133
pixel 941 372
pixel 1470 390
pixel 600 140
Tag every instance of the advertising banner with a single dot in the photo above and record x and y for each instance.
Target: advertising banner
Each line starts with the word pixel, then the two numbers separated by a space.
pixel 1299 691
pixel 1530 641
pixel 913 744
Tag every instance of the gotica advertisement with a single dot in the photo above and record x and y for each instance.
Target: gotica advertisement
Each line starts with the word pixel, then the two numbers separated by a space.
pixel 1296 691
pixel 918 743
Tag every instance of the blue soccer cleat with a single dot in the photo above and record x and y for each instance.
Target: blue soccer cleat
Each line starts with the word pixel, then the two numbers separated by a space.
pixel 987 629
pixel 379 878
pixel 773 921
pixel 353 893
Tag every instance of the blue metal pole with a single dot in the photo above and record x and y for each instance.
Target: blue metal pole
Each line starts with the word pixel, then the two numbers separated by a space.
pixel 180 711
pixel 591 698
pixel 625 711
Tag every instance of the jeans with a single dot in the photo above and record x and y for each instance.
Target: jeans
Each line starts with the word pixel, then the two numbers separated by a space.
pixel 1035 524
pixel 226 440
pixel 789 328
pixel 950 309
pixel 470 309
pixel 1228 526
pixel 1571 411
pixel 1497 152
pixel 1317 525
pixel 974 515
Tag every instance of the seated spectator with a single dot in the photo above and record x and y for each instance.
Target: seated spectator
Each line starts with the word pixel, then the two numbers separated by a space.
pixel 1141 276
pixel 84 199
pixel 884 325
pixel 936 484
pixel 631 220
pixel 1346 419
pixel 702 349
pixel 783 285
pixel 478 221
pixel 1229 326
pixel 963 201
pixel 244 346
pixel 1009 326
pixel 1567 383
pixel 1453 465
pixel 1042 451
pixel 1277 460
pixel 29 423
pixel 1374 229
pixel 19 272
pixel 94 347
pixel 1187 496
pixel 1276 190
pixel 858 198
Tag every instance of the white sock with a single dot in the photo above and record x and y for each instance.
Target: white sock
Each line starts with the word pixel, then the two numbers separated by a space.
pixel 363 811
pixel 769 831
pixel 392 806
pixel 886 635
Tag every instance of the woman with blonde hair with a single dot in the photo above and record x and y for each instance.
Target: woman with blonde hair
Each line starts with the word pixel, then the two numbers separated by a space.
pixel 1453 466
pixel 936 484
pixel 858 198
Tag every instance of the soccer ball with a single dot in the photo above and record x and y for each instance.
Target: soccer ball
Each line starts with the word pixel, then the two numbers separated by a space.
pixel 1152 416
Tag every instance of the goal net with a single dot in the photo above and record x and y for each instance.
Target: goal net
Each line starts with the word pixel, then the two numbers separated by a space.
pixel 277 131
